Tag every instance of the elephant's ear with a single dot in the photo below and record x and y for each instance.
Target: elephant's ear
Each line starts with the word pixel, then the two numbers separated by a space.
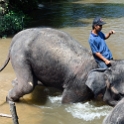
pixel 96 81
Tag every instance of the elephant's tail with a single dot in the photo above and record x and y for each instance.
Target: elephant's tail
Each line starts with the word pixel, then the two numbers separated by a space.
pixel 5 63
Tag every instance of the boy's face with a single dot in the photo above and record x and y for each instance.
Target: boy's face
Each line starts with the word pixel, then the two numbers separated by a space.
pixel 98 28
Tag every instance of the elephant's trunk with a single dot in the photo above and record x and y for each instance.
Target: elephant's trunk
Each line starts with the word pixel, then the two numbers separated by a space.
pixel 114 90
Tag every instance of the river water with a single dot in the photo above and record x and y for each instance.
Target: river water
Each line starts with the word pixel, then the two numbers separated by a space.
pixel 43 106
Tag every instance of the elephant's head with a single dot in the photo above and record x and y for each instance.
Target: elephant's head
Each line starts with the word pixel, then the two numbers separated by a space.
pixel 109 82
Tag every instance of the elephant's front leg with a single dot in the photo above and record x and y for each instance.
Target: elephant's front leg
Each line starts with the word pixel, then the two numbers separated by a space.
pixel 73 96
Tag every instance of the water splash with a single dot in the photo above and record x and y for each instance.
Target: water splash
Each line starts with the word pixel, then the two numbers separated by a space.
pixel 55 99
pixel 88 111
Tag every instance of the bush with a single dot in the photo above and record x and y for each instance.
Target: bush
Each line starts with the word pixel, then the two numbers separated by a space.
pixel 11 23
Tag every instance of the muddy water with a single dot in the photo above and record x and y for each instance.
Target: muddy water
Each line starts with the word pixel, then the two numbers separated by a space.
pixel 44 105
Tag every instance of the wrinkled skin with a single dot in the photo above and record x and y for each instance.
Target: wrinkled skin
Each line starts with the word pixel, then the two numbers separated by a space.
pixel 109 82
pixel 116 116
pixel 51 58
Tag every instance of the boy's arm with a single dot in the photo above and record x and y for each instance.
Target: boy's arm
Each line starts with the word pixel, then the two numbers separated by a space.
pixel 109 34
pixel 99 55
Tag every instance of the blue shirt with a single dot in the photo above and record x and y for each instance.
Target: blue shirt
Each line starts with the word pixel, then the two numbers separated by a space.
pixel 98 44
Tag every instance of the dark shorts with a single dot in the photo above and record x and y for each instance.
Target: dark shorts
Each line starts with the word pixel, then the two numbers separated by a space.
pixel 102 64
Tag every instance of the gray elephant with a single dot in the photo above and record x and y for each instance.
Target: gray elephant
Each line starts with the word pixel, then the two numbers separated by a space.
pixel 52 58
pixel 116 116
pixel 108 82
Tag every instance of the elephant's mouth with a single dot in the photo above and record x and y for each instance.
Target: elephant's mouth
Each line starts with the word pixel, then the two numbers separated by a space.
pixel 122 94
pixel 118 95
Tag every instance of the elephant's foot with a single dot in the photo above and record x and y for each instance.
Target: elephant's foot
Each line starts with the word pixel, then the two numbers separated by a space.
pixel 8 98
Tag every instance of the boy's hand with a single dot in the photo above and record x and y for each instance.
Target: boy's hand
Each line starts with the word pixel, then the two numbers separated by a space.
pixel 112 32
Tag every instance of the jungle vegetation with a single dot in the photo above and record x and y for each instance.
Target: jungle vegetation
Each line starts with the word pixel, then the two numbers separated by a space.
pixel 15 14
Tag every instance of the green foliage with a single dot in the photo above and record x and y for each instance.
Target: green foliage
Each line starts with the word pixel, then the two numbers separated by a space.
pixel 26 6
pixel 14 15
pixel 11 23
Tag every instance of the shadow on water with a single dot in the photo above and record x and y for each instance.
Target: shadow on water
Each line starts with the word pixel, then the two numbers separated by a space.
pixel 40 95
pixel 70 14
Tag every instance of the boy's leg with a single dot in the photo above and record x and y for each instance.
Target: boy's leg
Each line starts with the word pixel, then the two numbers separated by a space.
pixel 101 64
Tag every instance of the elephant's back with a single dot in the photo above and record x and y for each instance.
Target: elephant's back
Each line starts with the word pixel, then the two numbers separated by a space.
pixel 47 40
pixel 48 45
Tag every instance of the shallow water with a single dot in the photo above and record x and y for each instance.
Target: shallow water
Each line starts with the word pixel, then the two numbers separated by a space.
pixel 74 17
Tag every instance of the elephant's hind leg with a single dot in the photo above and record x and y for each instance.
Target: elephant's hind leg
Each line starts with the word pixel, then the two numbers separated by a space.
pixel 25 85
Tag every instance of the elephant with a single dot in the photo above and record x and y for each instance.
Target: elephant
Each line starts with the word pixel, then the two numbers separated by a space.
pixel 116 116
pixel 49 57
pixel 108 82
